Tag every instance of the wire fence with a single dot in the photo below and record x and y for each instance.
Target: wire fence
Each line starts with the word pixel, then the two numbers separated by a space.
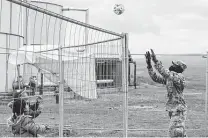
pixel 82 73
pixel 76 62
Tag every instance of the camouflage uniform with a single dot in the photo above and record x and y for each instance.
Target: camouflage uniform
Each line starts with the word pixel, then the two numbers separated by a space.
pixel 176 106
pixel 32 84
pixel 24 126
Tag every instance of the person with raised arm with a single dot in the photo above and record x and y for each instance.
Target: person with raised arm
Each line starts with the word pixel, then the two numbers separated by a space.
pixel 174 80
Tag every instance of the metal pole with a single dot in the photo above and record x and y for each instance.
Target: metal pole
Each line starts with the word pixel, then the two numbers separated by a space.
pixel 41 83
pixel 129 75
pixel 125 83
pixel 76 46
pixel 18 75
pixel 28 29
pixel 7 47
pixel 170 54
pixel 61 86
pixel 73 9
pixel 22 34
pixel 87 22
pixel 206 93
pixel 28 33
pixel 135 75
pixel 126 91
pixel 22 21
pixel 61 90
pixel 6 84
pixel 50 13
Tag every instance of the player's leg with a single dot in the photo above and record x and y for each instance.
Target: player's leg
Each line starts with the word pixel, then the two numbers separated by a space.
pixel 177 124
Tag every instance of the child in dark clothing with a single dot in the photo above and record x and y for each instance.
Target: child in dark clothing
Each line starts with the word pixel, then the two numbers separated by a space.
pixel 23 125
pixel 34 109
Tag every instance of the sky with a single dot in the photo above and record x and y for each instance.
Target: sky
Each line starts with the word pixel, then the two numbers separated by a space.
pixel 167 26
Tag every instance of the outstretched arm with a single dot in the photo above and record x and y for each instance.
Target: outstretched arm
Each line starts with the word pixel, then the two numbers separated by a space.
pixel 162 70
pixel 153 75
pixel 175 77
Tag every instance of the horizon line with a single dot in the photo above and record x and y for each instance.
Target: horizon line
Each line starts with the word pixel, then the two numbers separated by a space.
pixel 184 54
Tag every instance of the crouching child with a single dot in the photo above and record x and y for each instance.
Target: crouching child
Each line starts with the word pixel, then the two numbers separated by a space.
pixel 23 125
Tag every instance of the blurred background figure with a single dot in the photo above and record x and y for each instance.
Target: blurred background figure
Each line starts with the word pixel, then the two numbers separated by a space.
pixel 32 84
pixel 18 83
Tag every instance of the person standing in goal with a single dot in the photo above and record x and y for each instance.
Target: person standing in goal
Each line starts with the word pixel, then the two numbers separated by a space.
pixel 175 84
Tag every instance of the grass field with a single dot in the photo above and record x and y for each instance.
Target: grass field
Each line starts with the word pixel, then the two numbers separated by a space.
pixel 146 108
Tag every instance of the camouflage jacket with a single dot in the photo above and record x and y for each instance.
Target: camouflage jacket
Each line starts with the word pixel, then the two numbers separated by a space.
pixel 175 84
pixel 24 126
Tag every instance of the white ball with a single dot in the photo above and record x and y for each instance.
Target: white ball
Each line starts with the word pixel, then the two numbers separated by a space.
pixel 118 9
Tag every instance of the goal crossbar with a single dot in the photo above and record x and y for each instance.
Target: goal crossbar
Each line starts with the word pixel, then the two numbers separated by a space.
pixel 53 14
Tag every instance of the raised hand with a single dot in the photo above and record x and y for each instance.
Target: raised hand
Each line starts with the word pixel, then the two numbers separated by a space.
pixel 154 59
pixel 148 60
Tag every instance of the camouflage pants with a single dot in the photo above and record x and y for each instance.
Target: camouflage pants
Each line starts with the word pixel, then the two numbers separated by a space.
pixel 177 124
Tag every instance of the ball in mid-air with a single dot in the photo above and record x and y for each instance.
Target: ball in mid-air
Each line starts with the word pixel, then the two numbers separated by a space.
pixel 118 9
